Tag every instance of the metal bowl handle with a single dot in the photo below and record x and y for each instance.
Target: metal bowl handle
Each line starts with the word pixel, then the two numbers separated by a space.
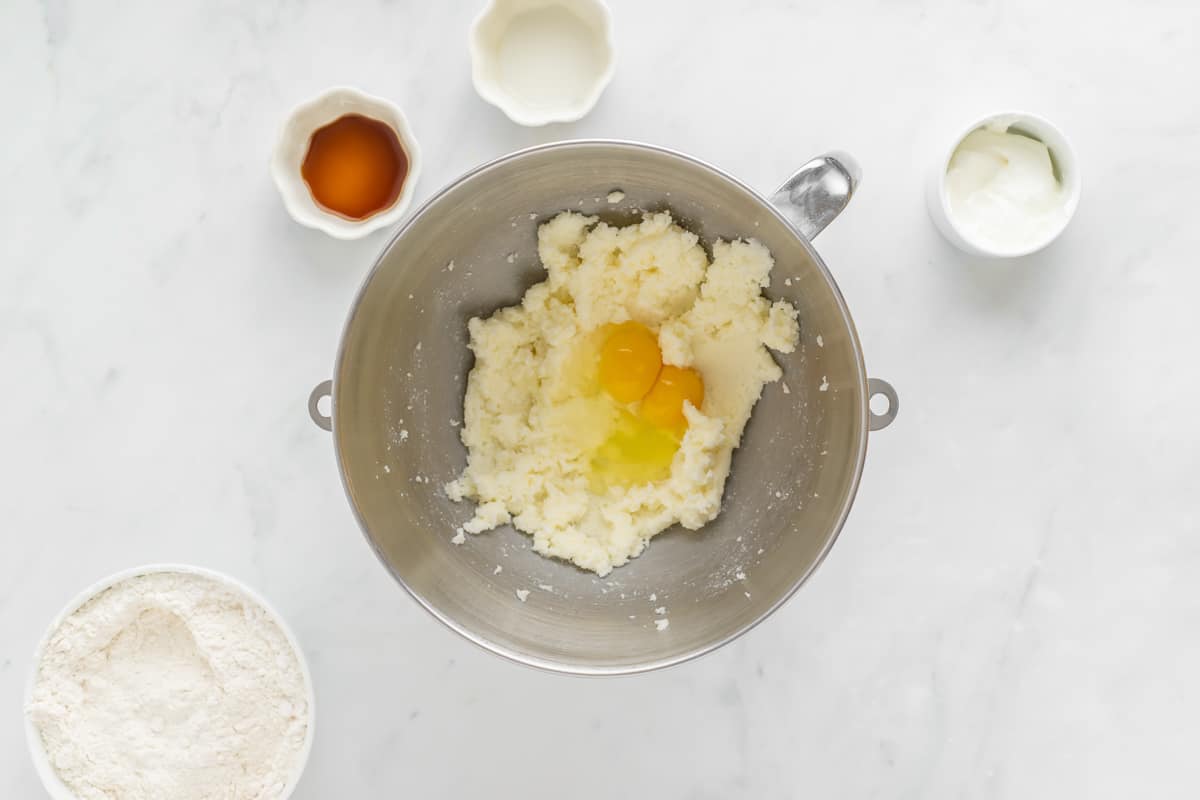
pixel 818 192
pixel 322 390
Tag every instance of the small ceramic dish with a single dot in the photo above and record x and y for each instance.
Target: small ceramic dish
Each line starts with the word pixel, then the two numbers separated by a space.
pixel 293 144
pixel 542 61
pixel 1062 158
pixel 58 790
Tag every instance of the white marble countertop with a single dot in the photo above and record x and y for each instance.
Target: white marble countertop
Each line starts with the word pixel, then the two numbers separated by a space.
pixel 1013 609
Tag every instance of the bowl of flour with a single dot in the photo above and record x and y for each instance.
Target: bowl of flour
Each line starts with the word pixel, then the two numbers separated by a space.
pixel 169 681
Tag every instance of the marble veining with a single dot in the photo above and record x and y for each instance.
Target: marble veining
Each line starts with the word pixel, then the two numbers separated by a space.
pixel 1011 612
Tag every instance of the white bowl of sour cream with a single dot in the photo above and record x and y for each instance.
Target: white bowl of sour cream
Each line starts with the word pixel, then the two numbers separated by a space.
pixel 1007 187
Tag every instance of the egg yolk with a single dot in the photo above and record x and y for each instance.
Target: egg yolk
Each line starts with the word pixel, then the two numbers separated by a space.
pixel 663 404
pixel 629 362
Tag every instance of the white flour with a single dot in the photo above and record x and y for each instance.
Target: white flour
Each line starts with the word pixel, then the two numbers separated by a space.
pixel 171 686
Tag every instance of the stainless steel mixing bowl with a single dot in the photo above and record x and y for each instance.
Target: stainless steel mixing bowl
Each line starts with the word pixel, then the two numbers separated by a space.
pixel 397 397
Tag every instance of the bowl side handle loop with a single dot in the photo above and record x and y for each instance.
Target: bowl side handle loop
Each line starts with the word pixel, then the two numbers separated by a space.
pixel 322 390
pixel 881 420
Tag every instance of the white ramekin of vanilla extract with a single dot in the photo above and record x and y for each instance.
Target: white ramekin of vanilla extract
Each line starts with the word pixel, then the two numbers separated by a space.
pixel 1007 187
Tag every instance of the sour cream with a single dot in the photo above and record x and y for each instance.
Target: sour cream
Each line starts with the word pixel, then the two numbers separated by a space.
pixel 1003 192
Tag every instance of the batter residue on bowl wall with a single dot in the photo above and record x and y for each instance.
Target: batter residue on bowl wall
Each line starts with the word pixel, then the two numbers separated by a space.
pixel 581 419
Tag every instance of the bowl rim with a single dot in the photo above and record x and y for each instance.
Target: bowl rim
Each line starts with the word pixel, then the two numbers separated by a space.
pixel 548 664
pixel 41 761
pixel 304 209
pixel 489 89
pixel 1072 183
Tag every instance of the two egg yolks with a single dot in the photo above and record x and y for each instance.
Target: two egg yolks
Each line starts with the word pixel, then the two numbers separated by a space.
pixel 631 370
pixel 641 420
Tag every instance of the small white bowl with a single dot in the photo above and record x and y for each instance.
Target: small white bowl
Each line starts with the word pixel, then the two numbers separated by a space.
pixel 542 61
pixel 292 147
pixel 1060 151
pixel 41 762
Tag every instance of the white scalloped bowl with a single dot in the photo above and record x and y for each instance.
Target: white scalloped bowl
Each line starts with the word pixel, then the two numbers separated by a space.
pixel 288 157
pixel 542 61
pixel 54 785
